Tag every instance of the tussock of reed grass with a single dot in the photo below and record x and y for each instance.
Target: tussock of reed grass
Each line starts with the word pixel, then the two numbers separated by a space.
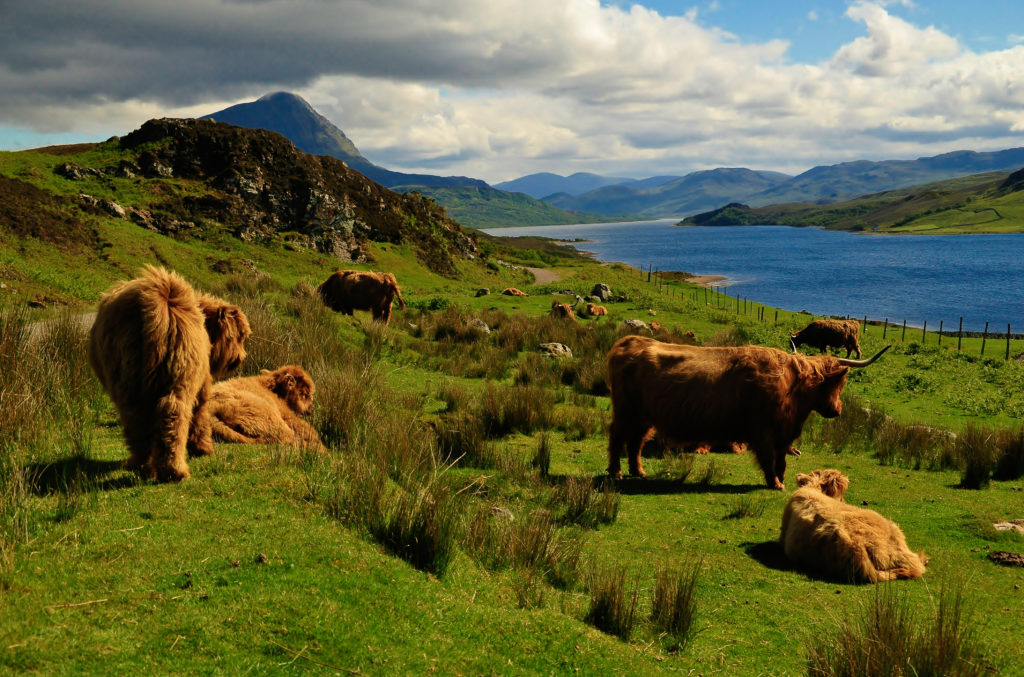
pixel 891 638
pixel 674 604
pixel 612 608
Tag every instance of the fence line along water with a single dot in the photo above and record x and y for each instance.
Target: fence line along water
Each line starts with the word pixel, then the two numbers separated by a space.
pixel 717 296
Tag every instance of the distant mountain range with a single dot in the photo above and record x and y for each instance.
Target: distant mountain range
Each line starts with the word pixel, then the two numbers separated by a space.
pixel 472 201
pixel 545 183
pixel 591 197
pixel 677 197
pixel 990 202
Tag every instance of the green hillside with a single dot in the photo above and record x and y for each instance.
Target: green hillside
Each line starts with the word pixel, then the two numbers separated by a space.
pixel 460 522
pixel 484 207
pixel 982 203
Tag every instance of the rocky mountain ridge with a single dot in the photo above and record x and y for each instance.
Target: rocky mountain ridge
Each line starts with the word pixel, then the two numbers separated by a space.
pixel 261 187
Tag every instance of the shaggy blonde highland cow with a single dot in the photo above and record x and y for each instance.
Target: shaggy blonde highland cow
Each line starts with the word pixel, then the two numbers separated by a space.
pixel 156 346
pixel 822 532
pixel 265 409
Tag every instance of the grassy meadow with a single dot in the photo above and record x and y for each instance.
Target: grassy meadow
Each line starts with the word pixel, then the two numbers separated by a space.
pixel 460 523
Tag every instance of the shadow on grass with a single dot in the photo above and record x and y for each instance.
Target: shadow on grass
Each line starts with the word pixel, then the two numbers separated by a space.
pixel 655 485
pixel 72 474
pixel 771 555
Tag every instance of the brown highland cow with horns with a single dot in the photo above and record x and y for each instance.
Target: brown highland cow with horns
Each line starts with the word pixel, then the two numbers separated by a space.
pixel 156 346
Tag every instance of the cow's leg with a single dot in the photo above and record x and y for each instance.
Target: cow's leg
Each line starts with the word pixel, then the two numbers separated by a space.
pixel 635 440
pixel 200 434
pixel 616 442
pixel 767 458
pixel 780 465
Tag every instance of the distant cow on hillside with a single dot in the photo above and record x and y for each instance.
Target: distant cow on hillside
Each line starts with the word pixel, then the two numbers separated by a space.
pixel 823 334
pixel 348 290
pixel 562 310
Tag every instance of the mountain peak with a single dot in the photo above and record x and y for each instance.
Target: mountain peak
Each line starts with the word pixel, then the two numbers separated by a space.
pixel 291 116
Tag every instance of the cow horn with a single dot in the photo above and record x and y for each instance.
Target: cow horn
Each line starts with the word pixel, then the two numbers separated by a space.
pixel 793 344
pixel 863 363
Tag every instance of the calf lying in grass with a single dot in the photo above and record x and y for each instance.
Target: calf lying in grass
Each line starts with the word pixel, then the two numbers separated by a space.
pixel 822 533
pixel 265 408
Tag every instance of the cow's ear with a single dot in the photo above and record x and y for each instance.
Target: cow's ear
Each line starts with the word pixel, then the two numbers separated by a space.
pixel 803 480
pixel 838 373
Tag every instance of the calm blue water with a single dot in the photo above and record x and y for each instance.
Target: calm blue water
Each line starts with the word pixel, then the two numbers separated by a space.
pixel 917 278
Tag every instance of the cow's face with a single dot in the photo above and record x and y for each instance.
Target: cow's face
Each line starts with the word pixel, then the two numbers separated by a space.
pixel 828 402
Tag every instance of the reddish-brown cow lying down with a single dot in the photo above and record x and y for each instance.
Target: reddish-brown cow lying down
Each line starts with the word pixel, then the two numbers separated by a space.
pixel 823 533
pixel 562 310
pixel 759 396
pixel 265 408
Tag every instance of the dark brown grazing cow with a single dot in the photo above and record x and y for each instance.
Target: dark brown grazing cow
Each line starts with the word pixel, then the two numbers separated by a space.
pixel 823 334
pixel 759 396
pixel 348 290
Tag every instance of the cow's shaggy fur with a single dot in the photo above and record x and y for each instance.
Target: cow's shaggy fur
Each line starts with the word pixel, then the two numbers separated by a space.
pixel 562 310
pixel 348 290
pixel 594 310
pixel 156 346
pixel 266 408
pixel 759 396
pixel 824 534
pixel 823 334
pixel 512 291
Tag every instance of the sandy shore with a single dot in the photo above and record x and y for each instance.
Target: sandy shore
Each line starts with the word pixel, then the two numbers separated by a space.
pixel 706 280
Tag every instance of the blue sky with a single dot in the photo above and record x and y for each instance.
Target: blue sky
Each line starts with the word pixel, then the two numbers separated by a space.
pixel 503 88
pixel 815 28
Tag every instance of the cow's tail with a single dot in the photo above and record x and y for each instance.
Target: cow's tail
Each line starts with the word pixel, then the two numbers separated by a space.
pixel 398 292
pixel 167 313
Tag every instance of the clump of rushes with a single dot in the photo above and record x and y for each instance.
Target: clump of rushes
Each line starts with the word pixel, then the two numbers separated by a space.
pixel 890 639
pixel 612 608
pixel 979 456
pixel 674 604
pixel 583 505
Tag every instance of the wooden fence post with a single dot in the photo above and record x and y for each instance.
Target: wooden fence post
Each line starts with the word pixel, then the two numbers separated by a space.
pixel 904 334
pixel 923 330
pixel 865 324
pixel 960 334
pixel 885 327
pixel 776 317
pixel 984 337
pixel 1007 341
pixel 940 333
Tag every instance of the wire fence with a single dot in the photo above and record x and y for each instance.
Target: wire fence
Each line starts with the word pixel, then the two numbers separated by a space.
pixel 717 296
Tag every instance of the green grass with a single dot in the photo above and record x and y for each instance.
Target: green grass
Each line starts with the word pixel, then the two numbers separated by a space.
pixel 270 561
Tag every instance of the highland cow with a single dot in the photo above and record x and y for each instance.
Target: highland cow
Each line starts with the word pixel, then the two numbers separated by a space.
pixel 266 408
pixel 823 533
pixel 823 334
pixel 348 290
pixel 512 291
pixel 594 310
pixel 758 396
pixel 562 310
pixel 156 346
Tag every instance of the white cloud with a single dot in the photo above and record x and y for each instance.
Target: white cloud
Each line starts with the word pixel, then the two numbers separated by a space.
pixel 509 87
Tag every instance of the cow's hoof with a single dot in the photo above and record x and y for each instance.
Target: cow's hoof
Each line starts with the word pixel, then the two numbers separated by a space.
pixel 615 474
pixel 778 485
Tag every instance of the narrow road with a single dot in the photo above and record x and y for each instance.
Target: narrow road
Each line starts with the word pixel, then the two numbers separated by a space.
pixel 543 275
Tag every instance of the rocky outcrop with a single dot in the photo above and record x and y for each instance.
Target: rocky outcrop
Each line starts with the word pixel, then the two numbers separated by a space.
pixel 266 190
